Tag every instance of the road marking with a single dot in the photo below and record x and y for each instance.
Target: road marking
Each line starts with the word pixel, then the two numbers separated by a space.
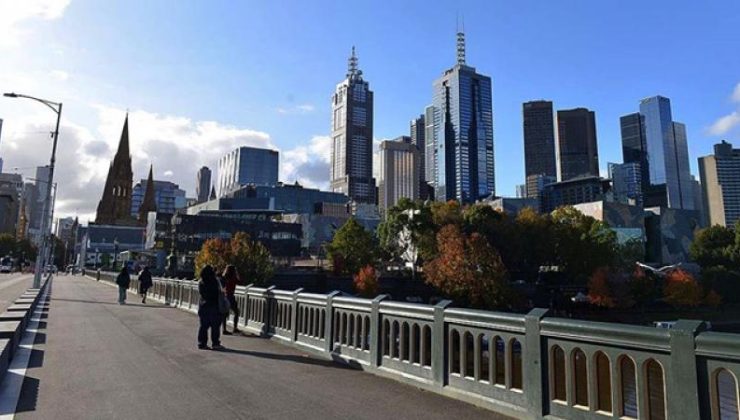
pixel 10 389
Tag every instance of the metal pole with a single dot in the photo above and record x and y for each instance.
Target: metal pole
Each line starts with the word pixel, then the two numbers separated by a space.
pixel 44 228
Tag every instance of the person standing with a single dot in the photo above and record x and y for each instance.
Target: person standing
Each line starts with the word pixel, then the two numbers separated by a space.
pixel 145 282
pixel 209 314
pixel 230 280
pixel 123 281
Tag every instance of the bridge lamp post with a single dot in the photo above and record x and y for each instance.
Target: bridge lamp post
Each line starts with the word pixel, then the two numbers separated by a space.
pixel 45 224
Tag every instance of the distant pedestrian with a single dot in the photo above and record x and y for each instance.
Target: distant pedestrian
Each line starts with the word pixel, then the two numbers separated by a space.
pixel 123 281
pixel 230 279
pixel 145 282
pixel 208 310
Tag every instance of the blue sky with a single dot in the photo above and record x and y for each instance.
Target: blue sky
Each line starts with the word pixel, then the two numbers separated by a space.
pixel 200 77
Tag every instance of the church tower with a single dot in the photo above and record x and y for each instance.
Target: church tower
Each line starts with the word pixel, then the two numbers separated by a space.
pixel 149 203
pixel 115 205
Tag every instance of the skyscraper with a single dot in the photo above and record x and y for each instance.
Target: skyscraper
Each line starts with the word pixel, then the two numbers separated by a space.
pixel 578 152
pixel 351 170
pixel 539 141
pixel 203 185
pixel 626 182
pixel 418 139
pixel 720 185
pixel 667 156
pixel 247 165
pixel 429 152
pixel 463 133
pixel 399 172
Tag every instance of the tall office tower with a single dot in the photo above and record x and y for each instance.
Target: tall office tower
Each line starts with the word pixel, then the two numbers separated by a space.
pixel 463 133
pixel 351 171
pixel 626 182
pixel 697 195
pixel 536 183
pixel 720 184
pixel 667 154
pixel 418 138
pixel 399 172
pixel 203 185
pixel 539 141
pixel 245 166
pixel 578 153
pixel 429 152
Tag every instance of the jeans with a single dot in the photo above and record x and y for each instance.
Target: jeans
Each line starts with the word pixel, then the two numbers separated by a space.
pixel 121 294
pixel 233 308
pixel 209 317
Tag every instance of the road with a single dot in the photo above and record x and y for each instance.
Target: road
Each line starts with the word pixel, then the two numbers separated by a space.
pixel 96 359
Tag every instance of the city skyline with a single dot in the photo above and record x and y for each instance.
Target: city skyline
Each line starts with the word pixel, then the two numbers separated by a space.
pixel 295 116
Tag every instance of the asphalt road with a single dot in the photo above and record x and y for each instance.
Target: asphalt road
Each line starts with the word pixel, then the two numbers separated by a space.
pixel 95 359
pixel 11 286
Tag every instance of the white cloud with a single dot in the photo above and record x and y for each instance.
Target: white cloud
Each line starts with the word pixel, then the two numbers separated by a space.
pixel 736 93
pixel 725 124
pixel 306 108
pixel 13 13
pixel 59 75
pixel 298 109
pixel 309 164
pixel 168 173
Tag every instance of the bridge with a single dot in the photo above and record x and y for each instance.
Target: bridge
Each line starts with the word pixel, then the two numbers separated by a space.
pixel 327 356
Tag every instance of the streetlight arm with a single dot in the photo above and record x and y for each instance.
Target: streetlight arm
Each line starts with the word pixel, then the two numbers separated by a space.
pixel 54 106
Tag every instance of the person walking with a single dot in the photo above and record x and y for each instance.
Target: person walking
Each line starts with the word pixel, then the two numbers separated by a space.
pixel 145 282
pixel 123 280
pixel 209 313
pixel 230 279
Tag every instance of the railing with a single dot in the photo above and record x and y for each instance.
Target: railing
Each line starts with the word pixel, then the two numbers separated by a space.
pixel 526 366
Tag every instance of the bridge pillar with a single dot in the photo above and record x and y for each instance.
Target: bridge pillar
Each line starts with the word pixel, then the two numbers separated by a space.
pixel 682 380
pixel 375 351
pixel 329 322
pixel 534 369
pixel 266 311
pixel 294 315
pixel 439 356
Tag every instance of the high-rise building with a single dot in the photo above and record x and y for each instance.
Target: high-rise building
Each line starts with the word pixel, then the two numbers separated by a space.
pixel 574 191
pixel 203 184
pixel 168 197
pixel 399 172
pixel 697 195
pixel 351 171
pixel 11 189
pixel 536 183
pixel 63 229
pixel 463 133
pixel 245 166
pixel 539 141
pixel 114 207
pixel 626 182
pixel 418 139
pixel 720 183
pixel 668 172
pixel 577 150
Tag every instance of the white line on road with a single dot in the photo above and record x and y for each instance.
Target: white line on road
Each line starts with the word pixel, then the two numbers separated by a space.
pixel 10 388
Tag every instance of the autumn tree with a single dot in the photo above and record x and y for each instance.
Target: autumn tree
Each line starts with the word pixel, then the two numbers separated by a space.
pixel 352 248
pixel 214 252
pixel 366 282
pixel 251 259
pixel 467 269
pixel 641 287
pixel 681 289
pixel 599 289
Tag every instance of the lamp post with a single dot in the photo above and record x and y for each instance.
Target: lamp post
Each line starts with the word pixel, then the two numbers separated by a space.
pixel 45 225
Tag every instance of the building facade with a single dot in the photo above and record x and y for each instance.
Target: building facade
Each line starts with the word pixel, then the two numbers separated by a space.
pixel 203 184
pixel 114 207
pixel 351 171
pixel 168 197
pixel 539 141
pixel 399 172
pixel 11 194
pixel 245 166
pixel 577 148
pixel 418 138
pixel 571 192
pixel 720 184
pixel 463 133
pixel 536 183
pixel 626 182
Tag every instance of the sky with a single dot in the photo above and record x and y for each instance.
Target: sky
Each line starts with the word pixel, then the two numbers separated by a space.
pixel 201 78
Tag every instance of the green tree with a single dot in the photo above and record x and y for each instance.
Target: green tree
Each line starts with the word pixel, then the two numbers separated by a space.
pixel 714 246
pixel 252 260
pixel 60 250
pixel 410 220
pixel 7 244
pixel 27 248
pixel 534 236
pixel 352 248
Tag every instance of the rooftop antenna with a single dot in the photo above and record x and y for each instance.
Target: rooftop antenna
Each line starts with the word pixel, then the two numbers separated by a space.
pixel 461 43
pixel 352 65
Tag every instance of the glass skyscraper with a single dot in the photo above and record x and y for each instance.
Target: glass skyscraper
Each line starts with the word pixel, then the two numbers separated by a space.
pixel 463 133
pixel 577 149
pixel 351 170
pixel 245 166
pixel 539 142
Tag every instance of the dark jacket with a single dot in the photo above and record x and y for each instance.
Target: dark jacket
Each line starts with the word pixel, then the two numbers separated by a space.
pixel 123 279
pixel 209 293
pixel 145 280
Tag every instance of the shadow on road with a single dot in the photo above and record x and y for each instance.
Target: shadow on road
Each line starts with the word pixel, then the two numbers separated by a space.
pixel 288 358
pixel 141 305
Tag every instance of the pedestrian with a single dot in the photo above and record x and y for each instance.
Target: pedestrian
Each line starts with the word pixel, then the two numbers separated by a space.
pixel 209 313
pixel 145 282
pixel 123 280
pixel 230 278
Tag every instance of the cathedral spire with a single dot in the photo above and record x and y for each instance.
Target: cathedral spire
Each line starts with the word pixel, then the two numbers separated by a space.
pixel 148 203
pixel 123 149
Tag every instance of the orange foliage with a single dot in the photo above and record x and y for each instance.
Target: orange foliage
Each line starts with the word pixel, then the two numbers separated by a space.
pixel 366 281
pixel 682 289
pixel 599 291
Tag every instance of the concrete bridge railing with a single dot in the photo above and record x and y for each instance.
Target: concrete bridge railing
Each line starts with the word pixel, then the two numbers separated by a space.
pixel 526 366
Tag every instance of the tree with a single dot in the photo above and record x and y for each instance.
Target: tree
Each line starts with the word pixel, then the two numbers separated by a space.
pixel 713 299
pixel 533 233
pixel 252 260
pixel 410 221
pixel 214 252
pixel 681 289
pixel 713 246
pixel 599 289
pixel 467 269
pixel 352 248
pixel 641 287
pixel 7 244
pixel 366 282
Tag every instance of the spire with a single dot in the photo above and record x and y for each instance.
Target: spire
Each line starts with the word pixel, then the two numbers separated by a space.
pixel 148 203
pixel 461 45
pixel 123 150
pixel 353 70
pixel 213 193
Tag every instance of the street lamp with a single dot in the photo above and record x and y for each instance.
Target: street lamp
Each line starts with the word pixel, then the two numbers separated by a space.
pixel 45 225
